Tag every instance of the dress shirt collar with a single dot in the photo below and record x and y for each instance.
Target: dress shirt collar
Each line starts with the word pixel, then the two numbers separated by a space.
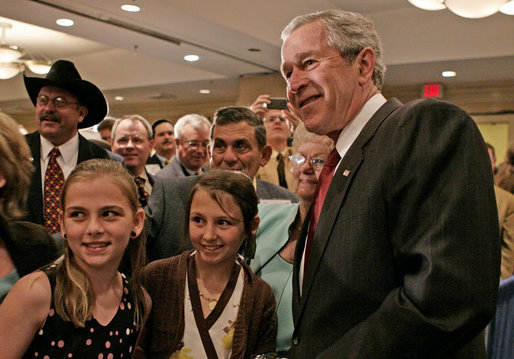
pixel 354 127
pixel 69 150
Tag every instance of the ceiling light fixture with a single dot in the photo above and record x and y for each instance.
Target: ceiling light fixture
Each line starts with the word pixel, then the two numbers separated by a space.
pixel 448 74
pixel 9 70
pixel 205 91
pixel 130 8
pixel 8 53
pixel 471 9
pixel 65 22
pixel 191 58
pixel 10 62
pixel 38 67
pixel 119 98
pixel 508 8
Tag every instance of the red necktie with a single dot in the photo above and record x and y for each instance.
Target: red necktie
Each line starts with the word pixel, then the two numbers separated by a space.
pixel 321 191
pixel 54 180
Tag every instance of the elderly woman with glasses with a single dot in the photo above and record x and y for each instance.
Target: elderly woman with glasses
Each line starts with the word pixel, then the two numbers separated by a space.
pixel 280 227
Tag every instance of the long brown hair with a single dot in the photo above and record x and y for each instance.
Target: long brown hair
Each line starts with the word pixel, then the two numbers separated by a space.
pixel 73 296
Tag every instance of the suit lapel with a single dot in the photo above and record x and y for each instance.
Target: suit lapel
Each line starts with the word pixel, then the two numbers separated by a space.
pixel 339 186
pixel 35 199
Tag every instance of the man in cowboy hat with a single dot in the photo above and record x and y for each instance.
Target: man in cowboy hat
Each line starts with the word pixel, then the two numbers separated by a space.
pixel 64 103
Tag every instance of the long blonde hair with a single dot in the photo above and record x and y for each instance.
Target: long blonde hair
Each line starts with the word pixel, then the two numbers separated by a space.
pixel 16 167
pixel 73 296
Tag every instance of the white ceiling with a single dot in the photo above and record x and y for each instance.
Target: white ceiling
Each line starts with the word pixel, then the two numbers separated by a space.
pixel 418 44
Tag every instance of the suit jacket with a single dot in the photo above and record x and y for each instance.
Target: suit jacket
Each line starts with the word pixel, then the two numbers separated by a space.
pixel 87 151
pixel 164 224
pixel 505 205
pixel 175 169
pixel 405 258
pixel 154 160
pixel 269 171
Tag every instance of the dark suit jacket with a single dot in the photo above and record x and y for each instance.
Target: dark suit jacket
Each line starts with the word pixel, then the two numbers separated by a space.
pixel 87 151
pixel 405 258
pixel 154 160
pixel 164 224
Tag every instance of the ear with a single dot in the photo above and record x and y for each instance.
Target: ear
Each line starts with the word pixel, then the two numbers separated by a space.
pixel 177 141
pixel 265 155
pixel 366 61
pixel 255 225
pixel 61 223
pixel 82 113
pixel 3 181
pixel 139 221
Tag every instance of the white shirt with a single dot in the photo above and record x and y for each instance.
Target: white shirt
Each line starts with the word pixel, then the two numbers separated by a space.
pixel 346 138
pixel 67 160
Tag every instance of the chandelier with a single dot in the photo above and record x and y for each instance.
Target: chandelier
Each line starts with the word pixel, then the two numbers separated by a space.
pixel 472 9
pixel 10 59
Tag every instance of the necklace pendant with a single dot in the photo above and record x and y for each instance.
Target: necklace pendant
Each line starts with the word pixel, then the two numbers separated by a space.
pixel 212 304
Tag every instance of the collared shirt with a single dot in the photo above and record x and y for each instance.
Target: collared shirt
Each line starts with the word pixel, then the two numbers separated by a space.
pixel 67 160
pixel 184 168
pixel 162 159
pixel 346 138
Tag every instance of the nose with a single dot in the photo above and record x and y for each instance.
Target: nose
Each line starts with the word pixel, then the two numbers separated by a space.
pixel 210 232
pixel 230 156
pixel 94 226
pixel 306 167
pixel 130 144
pixel 297 82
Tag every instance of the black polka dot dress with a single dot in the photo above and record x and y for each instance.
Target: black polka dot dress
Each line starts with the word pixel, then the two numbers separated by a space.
pixel 59 339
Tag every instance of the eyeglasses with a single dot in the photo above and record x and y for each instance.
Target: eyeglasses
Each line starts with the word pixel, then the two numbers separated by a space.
pixel 196 144
pixel 59 101
pixel 298 160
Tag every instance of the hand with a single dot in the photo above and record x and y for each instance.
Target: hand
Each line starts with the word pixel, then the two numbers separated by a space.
pixel 291 115
pixel 259 107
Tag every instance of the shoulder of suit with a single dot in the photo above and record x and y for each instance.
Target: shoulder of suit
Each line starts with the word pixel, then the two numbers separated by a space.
pixel 94 149
pixel 275 191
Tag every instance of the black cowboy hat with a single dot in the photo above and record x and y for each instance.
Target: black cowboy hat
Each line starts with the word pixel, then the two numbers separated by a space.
pixel 64 74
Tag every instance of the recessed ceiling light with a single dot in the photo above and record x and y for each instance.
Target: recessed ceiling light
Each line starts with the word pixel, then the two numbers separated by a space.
pixel 191 58
pixel 253 49
pixel 448 73
pixel 64 22
pixel 130 8
pixel 508 8
pixel 119 98
pixel 205 91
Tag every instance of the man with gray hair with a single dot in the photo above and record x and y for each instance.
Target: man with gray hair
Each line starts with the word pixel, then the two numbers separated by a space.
pixel 132 139
pixel 402 258
pixel 192 140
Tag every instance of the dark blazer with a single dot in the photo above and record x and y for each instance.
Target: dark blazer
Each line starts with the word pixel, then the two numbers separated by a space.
pixel 154 160
pixel 87 151
pixel 405 258
pixel 164 224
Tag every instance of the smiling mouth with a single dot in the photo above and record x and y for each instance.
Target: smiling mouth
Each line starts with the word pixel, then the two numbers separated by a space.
pixel 212 247
pixel 96 244
pixel 309 100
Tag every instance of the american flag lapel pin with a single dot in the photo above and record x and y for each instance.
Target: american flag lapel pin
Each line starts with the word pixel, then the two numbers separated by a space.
pixel 346 173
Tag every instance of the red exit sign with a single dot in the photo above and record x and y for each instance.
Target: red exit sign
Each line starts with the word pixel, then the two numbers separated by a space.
pixel 433 90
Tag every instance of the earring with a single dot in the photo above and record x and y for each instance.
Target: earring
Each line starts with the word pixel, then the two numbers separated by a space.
pixel 65 235
pixel 133 234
